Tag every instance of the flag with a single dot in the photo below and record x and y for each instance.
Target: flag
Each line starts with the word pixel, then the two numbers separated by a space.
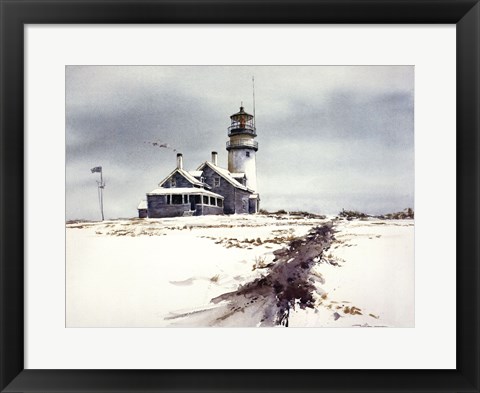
pixel 96 169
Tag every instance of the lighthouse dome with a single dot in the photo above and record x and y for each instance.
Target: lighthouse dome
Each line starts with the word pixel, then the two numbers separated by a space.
pixel 241 113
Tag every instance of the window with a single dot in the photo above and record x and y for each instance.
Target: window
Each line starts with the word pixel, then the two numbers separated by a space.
pixel 177 199
pixel 173 182
pixel 205 200
pixel 216 182
pixel 198 199
pixel 248 154
pixel 219 202
pixel 185 199
pixel 212 201
pixel 168 199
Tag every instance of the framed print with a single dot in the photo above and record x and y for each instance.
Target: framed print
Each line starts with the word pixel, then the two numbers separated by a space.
pixel 248 197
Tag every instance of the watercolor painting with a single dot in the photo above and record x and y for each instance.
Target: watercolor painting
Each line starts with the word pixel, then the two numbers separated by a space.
pixel 240 196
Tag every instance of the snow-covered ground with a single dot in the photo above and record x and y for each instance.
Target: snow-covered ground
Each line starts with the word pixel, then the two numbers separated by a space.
pixel 165 272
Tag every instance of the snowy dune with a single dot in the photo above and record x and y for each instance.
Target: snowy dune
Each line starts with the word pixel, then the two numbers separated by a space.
pixel 165 272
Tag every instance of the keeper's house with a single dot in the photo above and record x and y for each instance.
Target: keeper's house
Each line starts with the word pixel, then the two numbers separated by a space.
pixel 211 189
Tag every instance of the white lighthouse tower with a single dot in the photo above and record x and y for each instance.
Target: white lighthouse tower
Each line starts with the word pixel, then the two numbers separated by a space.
pixel 242 147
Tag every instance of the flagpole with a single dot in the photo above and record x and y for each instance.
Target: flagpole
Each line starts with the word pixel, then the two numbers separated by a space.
pixel 101 192
pixel 100 187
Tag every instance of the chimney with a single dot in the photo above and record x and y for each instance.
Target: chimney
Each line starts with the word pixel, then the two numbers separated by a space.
pixel 214 158
pixel 180 161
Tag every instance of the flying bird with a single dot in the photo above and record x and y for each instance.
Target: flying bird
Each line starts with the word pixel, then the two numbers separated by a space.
pixel 161 145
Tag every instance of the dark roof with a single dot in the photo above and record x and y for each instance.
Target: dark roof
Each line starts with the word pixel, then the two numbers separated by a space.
pixel 241 112
pixel 226 175
pixel 185 174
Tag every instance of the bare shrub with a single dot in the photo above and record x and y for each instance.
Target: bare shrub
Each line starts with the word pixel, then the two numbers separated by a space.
pixel 260 263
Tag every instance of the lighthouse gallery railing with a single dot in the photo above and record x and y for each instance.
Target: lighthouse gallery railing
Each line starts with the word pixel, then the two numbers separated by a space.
pixel 241 129
pixel 242 143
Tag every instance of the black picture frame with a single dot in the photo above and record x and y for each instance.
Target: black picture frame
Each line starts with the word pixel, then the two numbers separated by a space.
pixel 16 13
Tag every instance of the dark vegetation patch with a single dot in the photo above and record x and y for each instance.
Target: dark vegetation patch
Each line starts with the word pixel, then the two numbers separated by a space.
pixel 352 214
pixel 287 283
pixel 407 213
pixel 76 221
pixel 279 237
pixel 291 214
pixel 349 215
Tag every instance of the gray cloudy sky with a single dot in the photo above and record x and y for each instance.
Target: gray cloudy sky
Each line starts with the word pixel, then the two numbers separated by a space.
pixel 329 137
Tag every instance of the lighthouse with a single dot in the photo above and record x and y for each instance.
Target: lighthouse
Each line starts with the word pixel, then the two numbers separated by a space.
pixel 242 147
